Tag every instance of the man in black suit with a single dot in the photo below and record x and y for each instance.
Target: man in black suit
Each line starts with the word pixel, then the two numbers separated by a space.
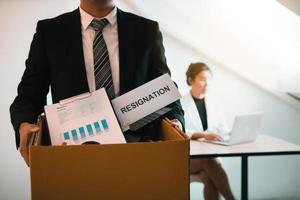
pixel 62 56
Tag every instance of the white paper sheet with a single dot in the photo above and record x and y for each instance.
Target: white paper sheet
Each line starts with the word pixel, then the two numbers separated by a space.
pixel 83 118
pixel 144 100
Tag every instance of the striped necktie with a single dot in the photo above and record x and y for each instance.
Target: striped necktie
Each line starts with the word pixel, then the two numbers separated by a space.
pixel 102 69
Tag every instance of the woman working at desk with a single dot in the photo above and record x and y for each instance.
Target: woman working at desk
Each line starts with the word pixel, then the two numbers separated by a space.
pixel 202 120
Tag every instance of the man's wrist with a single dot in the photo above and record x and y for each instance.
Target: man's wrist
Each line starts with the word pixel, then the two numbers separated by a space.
pixel 178 123
pixel 22 124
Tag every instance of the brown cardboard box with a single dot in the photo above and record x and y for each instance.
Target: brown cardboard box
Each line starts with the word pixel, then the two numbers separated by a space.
pixel 149 170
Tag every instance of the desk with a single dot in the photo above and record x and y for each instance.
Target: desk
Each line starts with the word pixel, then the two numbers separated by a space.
pixel 264 145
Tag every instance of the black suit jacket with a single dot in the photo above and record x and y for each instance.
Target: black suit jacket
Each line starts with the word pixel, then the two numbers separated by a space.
pixel 56 61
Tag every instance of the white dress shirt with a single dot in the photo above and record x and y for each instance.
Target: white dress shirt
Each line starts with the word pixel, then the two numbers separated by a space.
pixel 110 35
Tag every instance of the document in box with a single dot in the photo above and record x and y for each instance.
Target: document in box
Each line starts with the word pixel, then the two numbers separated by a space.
pixel 147 101
pixel 83 118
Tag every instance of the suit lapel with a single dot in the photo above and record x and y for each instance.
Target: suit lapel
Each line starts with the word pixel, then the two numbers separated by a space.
pixel 126 35
pixel 75 55
pixel 126 51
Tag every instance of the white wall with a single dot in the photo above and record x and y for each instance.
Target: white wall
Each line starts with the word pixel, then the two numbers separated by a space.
pixel 269 176
pixel 18 21
pixel 259 40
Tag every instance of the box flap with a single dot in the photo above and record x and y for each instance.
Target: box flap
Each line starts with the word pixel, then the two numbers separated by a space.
pixel 169 132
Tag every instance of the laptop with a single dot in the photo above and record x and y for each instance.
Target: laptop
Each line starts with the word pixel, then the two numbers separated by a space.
pixel 245 129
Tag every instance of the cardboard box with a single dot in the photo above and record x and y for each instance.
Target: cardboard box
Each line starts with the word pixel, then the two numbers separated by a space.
pixel 149 170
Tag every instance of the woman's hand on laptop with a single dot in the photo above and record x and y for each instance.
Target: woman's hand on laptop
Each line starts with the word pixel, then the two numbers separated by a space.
pixel 207 136
pixel 212 136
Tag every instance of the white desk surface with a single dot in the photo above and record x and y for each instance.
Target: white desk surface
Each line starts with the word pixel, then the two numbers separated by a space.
pixel 263 145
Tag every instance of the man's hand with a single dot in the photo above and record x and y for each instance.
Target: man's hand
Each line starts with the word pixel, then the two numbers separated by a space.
pixel 25 130
pixel 176 123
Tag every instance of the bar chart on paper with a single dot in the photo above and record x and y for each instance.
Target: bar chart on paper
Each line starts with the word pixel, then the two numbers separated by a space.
pixel 86 132
pixel 84 119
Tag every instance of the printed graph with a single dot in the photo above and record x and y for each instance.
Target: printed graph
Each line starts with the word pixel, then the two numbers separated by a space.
pixel 86 131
